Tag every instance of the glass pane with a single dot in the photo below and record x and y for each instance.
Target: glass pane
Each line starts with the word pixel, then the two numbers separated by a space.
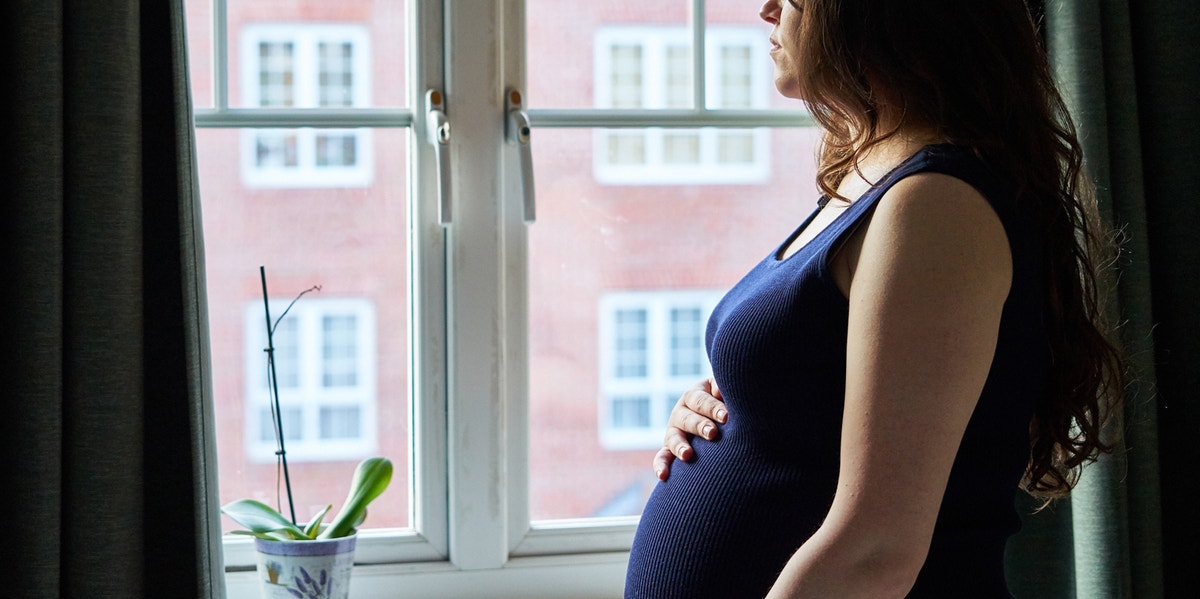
pixel 566 43
pixel 681 147
pixel 735 147
pixel 631 412
pixel 631 344
pixel 341 352
pixel 340 422
pixel 623 262
pixel 200 51
pixel 739 64
pixel 687 342
pixel 316 54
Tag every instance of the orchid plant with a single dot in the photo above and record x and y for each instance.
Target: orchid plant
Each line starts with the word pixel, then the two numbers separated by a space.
pixel 261 520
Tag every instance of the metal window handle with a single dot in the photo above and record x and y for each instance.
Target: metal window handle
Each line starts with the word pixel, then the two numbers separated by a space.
pixel 437 129
pixel 517 132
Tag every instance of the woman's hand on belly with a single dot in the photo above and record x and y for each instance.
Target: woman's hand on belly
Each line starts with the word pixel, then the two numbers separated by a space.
pixel 696 413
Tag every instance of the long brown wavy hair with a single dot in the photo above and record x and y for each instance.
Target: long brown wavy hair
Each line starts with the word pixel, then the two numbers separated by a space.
pixel 976 73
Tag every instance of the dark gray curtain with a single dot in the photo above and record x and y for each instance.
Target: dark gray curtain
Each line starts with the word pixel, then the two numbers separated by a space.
pixel 1128 70
pixel 108 486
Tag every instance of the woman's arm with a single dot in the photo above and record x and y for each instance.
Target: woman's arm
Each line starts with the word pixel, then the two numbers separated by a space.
pixel 927 284
pixel 696 413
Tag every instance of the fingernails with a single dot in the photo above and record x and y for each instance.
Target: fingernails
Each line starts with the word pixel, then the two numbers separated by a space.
pixel 659 472
pixel 721 415
pixel 707 431
pixel 679 450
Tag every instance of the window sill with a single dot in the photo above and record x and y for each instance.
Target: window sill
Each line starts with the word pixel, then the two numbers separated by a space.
pixel 549 577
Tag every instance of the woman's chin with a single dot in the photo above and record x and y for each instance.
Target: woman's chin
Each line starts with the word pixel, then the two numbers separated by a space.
pixel 788 88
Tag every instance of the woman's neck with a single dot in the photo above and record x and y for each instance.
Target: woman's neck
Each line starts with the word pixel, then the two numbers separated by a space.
pixel 878 159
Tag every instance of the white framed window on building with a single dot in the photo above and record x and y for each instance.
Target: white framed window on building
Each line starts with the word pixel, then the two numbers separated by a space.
pixel 324 353
pixel 288 66
pixel 651 351
pixel 649 67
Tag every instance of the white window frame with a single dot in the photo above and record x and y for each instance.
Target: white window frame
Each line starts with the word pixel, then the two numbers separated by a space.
pixel 655 169
pixel 659 384
pixel 306 93
pixel 310 395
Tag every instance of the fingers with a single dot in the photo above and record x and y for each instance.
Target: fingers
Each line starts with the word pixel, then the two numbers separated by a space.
pixel 706 399
pixel 678 443
pixel 712 388
pixel 697 413
pixel 662 463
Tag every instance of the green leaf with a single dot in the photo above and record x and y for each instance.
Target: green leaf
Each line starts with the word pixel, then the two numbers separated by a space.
pixel 261 519
pixel 314 525
pixel 370 479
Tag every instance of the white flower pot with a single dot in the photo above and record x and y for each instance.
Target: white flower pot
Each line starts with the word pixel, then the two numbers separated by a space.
pixel 305 569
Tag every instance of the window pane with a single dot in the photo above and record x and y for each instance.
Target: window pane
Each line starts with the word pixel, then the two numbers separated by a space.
pixel 618 260
pixel 562 54
pixel 200 51
pixel 286 341
pixel 335 74
pixel 336 149
pixel 681 147
pixel 735 147
pixel 626 86
pixel 293 424
pixel 339 362
pixel 736 77
pixel 341 353
pixel 687 342
pixel 679 76
pixel 739 64
pixel 276 74
pixel 340 422
pixel 631 412
pixel 308 54
pixel 626 148
pixel 276 149
pixel 631 343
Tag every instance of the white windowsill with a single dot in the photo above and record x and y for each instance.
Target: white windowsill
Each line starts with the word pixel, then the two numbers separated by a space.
pixel 551 577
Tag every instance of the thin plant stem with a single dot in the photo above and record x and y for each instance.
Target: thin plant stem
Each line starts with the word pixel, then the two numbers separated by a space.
pixel 273 378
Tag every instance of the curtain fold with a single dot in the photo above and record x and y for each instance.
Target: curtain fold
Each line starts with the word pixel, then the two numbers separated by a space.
pixel 1165 55
pixel 1089 45
pixel 108 473
pixel 1128 73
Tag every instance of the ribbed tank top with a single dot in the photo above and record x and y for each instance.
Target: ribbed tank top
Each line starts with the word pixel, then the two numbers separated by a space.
pixel 724 524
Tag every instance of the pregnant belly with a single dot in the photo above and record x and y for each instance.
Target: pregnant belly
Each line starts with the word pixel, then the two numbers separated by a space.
pixel 724 524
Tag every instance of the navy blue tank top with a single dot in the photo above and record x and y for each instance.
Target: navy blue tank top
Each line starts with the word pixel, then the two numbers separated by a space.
pixel 724 524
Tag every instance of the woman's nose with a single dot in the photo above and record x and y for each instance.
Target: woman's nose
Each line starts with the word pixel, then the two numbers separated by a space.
pixel 770 11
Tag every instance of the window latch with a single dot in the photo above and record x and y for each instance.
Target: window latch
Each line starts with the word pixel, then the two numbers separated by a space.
pixel 437 130
pixel 517 133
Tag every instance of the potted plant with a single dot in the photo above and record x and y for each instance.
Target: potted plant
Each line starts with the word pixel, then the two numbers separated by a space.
pixel 311 561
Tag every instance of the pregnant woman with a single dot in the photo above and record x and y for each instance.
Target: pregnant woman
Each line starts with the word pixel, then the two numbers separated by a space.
pixel 926 342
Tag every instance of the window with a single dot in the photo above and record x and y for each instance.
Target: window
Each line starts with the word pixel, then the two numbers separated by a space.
pixel 511 370
pixel 640 68
pixel 306 66
pixel 652 351
pixel 325 370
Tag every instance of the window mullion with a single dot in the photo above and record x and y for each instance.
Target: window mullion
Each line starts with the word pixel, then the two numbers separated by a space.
pixel 478 503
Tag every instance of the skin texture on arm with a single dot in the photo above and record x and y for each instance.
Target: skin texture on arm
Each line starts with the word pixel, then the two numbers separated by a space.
pixel 928 277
